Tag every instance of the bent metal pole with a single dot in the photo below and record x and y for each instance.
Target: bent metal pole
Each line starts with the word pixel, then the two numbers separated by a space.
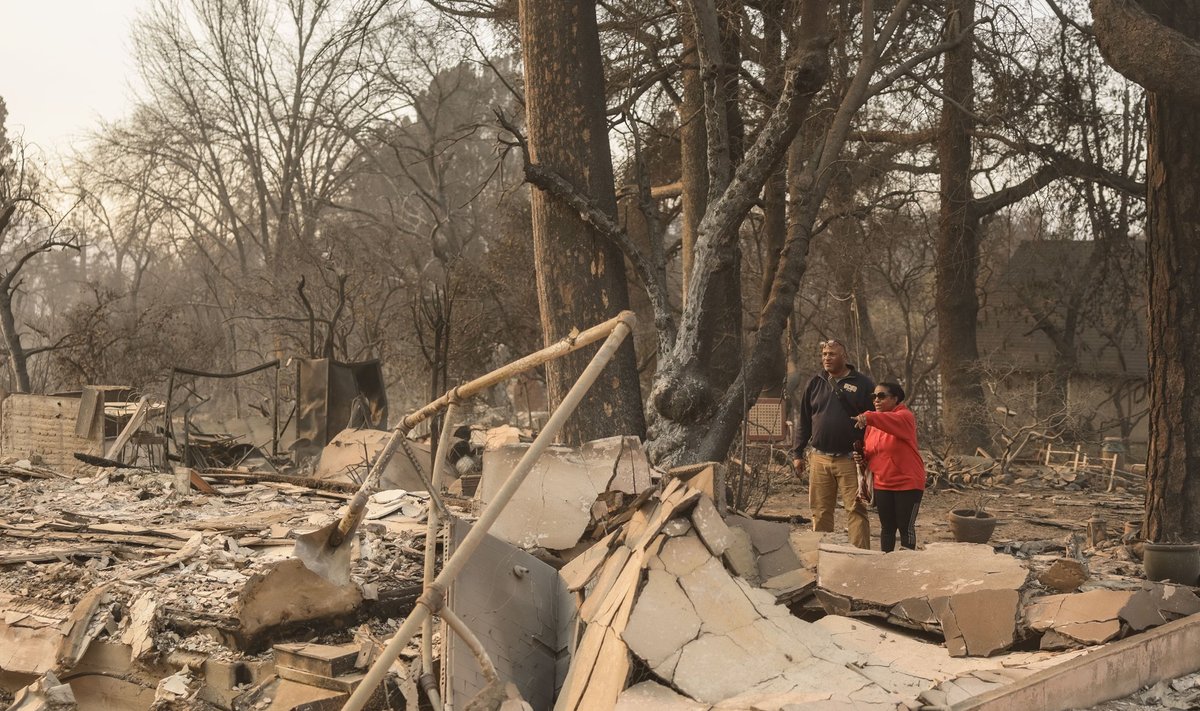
pixel 428 683
pixel 345 528
pixel 432 598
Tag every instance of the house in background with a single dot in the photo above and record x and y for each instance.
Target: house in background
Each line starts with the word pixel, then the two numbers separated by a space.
pixel 1062 339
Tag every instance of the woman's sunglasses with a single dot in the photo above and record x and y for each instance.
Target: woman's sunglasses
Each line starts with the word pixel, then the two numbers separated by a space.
pixel 880 396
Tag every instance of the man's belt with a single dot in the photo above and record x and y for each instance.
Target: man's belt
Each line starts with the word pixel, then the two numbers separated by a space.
pixel 834 455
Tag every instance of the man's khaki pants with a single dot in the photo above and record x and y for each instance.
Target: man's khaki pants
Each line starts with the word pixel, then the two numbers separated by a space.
pixel 829 477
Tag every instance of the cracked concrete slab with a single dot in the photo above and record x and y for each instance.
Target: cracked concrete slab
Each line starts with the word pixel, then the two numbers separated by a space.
pixel 770 541
pixel 711 527
pixel 663 620
pixel 553 507
pixel 967 592
pixel 652 695
pixel 979 623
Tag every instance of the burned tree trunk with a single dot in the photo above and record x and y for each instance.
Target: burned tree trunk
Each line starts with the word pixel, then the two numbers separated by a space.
pixel 964 414
pixel 17 362
pixel 580 276
pixel 1157 44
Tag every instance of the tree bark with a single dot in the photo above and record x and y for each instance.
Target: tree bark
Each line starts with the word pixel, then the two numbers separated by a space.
pixel 17 360
pixel 580 276
pixel 964 416
pixel 1172 248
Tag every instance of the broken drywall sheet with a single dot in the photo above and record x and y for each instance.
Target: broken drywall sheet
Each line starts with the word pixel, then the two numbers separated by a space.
pixel 712 636
pixel 521 611
pixel 942 588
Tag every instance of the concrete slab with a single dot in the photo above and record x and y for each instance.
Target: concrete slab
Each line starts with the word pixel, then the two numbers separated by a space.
pixel 740 554
pixel 711 527
pixel 553 507
pixel 652 695
pixel 663 620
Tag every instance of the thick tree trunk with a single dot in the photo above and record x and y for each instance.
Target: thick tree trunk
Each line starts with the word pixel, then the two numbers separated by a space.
pixel 1157 44
pixel 721 318
pixel 580 276
pixel 964 416
pixel 1173 250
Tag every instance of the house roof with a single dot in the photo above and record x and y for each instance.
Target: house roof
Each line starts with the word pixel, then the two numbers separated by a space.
pixel 1046 282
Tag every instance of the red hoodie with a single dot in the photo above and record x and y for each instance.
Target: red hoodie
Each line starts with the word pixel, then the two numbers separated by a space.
pixel 890 449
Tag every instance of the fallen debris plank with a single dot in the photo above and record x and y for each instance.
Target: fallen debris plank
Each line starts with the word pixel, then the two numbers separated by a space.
pixel 189 549
pixel 56 554
pixel 136 420
pixel 232 475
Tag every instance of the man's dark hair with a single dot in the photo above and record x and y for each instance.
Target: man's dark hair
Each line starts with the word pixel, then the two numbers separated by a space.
pixel 894 390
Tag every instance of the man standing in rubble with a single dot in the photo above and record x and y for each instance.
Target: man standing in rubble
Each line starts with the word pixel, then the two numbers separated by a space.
pixel 825 427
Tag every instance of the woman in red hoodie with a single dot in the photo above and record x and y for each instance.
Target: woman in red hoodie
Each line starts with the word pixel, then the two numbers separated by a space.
pixel 890 451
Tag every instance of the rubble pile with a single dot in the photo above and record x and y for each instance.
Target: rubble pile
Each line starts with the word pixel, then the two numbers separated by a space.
pixel 604 583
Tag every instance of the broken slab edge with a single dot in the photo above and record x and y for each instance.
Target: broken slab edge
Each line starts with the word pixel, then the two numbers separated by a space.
pixel 1114 671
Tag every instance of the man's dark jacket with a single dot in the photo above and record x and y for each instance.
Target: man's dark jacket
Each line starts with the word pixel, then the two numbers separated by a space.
pixel 824 422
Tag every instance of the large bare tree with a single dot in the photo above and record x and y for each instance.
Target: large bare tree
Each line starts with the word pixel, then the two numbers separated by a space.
pixel 1156 43
pixel 580 275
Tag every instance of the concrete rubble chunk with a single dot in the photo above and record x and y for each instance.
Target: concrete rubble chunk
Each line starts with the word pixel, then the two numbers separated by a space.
pixel 1093 617
pixel 968 592
pixel 720 603
pixel 740 554
pixel 1141 612
pixel 663 620
pixel 711 527
pixel 1173 600
pixel 46 693
pixel 771 542
pixel 791 585
pixel 1064 575
pixel 289 592
pixel 622 459
pixel 553 507
pixel 680 556
pixel 979 623
pixel 558 500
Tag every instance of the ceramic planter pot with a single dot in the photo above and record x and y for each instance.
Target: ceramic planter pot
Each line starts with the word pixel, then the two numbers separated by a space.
pixel 1176 562
pixel 970 526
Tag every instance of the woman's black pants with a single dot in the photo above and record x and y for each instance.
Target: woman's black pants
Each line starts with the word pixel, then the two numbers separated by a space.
pixel 898 512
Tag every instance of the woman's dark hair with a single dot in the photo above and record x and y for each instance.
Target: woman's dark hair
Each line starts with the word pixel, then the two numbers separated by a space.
pixel 894 390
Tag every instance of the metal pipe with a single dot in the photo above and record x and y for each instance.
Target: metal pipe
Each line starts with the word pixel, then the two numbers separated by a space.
pixel 455 623
pixel 432 531
pixel 432 598
pixel 571 343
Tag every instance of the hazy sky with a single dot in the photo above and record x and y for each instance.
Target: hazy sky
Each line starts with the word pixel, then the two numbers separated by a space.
pixel 64 64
